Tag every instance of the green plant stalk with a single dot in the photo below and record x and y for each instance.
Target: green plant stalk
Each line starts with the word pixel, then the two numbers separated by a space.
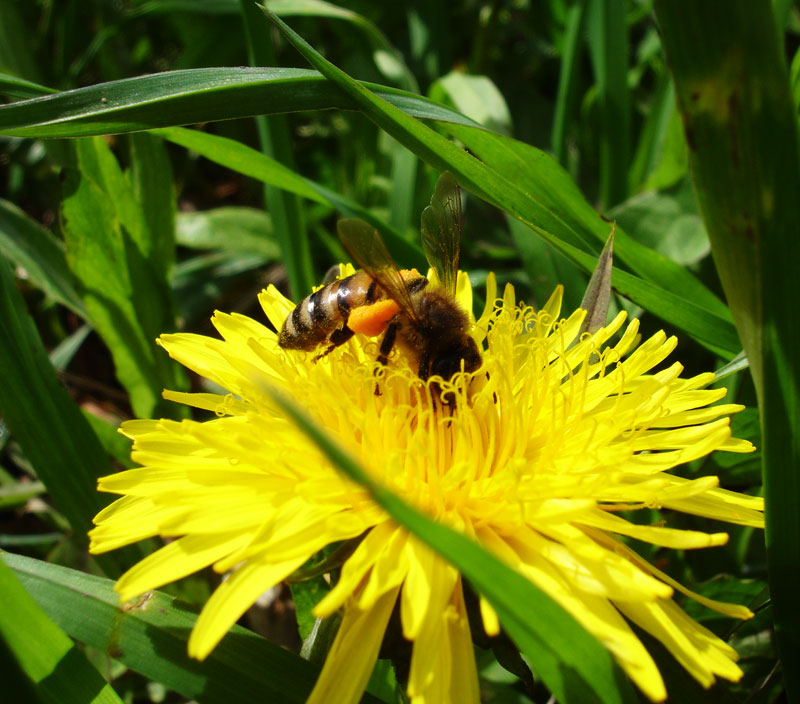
pixel 273 135
pixel 733 91
pixel 567 81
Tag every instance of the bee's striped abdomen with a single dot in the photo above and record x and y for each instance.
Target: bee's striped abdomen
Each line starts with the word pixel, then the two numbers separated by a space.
pixel 320 314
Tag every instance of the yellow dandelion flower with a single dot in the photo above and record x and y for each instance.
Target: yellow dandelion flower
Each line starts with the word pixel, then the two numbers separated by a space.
pixel 540 452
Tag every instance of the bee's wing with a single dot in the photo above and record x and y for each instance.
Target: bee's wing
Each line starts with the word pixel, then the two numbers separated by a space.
pixel 441 230
pixel 365 245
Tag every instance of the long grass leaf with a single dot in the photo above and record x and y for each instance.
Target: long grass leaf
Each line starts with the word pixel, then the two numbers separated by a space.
pixel 734 94
pixel 539 175
pixel 150 637
pixel 190 96
pixel 49 427
pixel 59 670
pixel 27 244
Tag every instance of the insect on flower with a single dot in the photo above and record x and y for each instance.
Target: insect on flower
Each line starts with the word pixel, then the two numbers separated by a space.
pixel 423 320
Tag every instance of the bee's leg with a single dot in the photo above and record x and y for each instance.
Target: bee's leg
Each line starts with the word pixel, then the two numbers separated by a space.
pixel 424 373
pixel 424 370
pixel 337 338
pixel 387 343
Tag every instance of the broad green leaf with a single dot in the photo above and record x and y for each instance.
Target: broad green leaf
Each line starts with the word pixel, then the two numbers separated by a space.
pixel 477 97
pixel 27 244
pixel 497 188
pixel 389 61
pixel 741 126
pixel 116 258
pixel 230 228
pixel 48 425
pixel 573 665
pixel 663 223
pixel 60 671
pixel 190 96
pixel 150 636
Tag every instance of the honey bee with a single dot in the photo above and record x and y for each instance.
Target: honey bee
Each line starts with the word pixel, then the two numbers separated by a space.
pixel 423 320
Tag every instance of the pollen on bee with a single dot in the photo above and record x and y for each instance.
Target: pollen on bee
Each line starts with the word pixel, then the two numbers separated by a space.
pixel 371 320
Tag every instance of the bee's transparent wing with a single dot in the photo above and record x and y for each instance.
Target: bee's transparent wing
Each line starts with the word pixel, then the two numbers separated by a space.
pixel 441 231
pixel 368 250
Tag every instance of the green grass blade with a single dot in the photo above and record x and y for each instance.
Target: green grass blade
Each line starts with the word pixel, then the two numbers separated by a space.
pixel 27 244
pixel 191 96
pixel 60 671
pixel 150 637
pixel 573 665
pixel 733 90
pixel 275 141
pixel 48 425
pixel 608 48
pixel 119 264
pixel 539 175
pixel 566 98
pixel 15 87
pixel 495 187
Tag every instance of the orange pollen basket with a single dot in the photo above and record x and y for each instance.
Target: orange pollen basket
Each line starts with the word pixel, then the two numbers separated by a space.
pixel 371 320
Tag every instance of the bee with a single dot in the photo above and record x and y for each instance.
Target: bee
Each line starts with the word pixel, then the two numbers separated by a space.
pixel 423 320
